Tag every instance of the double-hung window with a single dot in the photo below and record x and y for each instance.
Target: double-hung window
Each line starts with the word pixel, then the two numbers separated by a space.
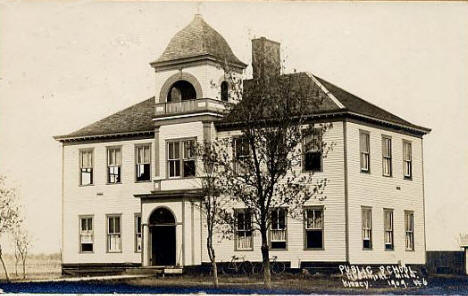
pixel 243 230
pixel 86 234
pixel 388 229
pixel 138 241
pixel 409 230
pixel 387 156
pixel 181 158
pixel 241 154
pixel 114 163
pixel 364 145
pixel 407 160
pixel 143 162
pixel 86 167
pixel 312 151
pixel 314 228
pixel 114 238
pixel 366 228
pixel 278 238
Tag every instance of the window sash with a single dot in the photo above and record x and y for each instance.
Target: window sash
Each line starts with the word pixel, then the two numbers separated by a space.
pixel 314 219
pixel 86 176
pixel 364 151
pixel 407 159
pixel 388 228
pixel 181 158
pixel 138 233
pixel 86 159
pixel 409 230
pixel 366 224
pixel 114 157
pixel 143 154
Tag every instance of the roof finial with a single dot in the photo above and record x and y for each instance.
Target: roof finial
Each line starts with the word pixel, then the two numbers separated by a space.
pixel 198 14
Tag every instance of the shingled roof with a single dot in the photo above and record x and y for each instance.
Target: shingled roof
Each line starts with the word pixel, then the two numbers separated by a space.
pixel 338 102
pixel 136 119
pixel 198 39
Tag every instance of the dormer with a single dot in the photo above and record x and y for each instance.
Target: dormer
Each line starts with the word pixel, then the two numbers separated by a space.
pixel 190 73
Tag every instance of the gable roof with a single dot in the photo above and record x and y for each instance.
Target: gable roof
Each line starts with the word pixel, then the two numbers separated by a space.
pixel 198 39
pixel 136 119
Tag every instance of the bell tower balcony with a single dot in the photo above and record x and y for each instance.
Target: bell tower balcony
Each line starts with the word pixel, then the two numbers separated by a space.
pixel 184 107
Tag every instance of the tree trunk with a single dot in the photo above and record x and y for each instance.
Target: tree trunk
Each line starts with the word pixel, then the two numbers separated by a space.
pixel 214 269
pixel 4 268
pixel 24 268
pixel 266 261
pixel 211 254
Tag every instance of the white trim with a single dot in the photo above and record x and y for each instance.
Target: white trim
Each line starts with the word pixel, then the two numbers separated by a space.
pixel 186 115
pixel 325 90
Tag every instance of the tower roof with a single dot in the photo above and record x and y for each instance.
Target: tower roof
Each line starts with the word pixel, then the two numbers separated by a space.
pixel 198 40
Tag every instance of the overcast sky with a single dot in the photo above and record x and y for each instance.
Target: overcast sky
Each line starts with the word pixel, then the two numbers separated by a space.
pixel 65 65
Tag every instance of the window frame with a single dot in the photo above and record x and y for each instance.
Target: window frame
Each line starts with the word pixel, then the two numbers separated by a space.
pixel 285 229
pixel 119 166
pixel 305 229
pixel 135 228
pixel 108 216
pixel 139 146
pixel 224 99
pixel 389 157
pixel 182 159
pixel 236 230
pixel 303 160
pixel 238 159
pixel 80 247
pixel 80 162
pixel 365 153
pixel 408 161
pixel 392 230
pixel 408 214
pixel 363 229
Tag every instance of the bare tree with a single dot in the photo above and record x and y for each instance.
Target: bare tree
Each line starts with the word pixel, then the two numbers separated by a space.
pixel 262 168
pixel 9 214
pixel 213 205
pixel 22 241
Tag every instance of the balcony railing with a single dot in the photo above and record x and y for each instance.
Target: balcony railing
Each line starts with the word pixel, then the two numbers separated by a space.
pixel 189 106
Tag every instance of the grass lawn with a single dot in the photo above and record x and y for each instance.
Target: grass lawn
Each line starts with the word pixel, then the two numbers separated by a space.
pixel 37 267
pixel 296 283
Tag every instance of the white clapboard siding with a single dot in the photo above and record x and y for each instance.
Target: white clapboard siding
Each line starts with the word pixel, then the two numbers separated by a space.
pixel 376 191
pixel 334 233
pixel 115 199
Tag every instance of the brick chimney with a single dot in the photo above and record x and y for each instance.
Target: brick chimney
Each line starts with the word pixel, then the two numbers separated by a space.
pixel 266 58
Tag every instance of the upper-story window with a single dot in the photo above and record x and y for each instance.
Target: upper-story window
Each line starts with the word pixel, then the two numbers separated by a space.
pixel 181 91
pixel 181 158
pixel 407 160
pixel 364 147
pixel 114 163
pixel 143 162
pixel 86 167
pixel 312 152
pixel 241 153
pixel 224 91
pixel 387 156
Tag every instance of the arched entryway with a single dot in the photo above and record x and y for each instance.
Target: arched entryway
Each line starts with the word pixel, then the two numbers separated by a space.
pixel 162 227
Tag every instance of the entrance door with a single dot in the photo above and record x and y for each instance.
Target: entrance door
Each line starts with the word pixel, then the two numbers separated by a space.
pixel 164 245
pixel 163 237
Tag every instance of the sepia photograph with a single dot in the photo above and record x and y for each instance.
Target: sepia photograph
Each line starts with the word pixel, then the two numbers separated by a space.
pixel 252 147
